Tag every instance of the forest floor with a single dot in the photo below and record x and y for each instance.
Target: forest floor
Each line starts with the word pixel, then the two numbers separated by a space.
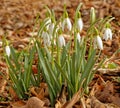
pixel 17 19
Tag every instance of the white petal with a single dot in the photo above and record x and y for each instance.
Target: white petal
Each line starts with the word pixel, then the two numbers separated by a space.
pixel 51 28
pixel 107 34
pixel 7 49
pixel 43 34
pixel 99 42
pixel 66 23
pixel 78 37
pixel 110 33
pixel 61 41
pixel 69 25
pixel 80 24
pixel 46 39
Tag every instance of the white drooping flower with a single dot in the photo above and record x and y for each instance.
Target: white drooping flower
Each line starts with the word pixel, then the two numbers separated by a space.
pixel 80 24
pixel 98 42
pixel 78 37
pixel 7 50
pixel 51 28
pixel 107 34
pixel 61 41
pixel 46 38
pixel 66 23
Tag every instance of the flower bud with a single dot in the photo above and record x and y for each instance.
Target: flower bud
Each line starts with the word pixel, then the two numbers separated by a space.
pixel 92 15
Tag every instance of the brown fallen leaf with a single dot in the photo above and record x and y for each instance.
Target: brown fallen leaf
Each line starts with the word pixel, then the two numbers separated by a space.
pixel 35 102
pixel 18 104
pixel 74 99
pixel 62 97
pixel 32 102
pixel 34 69
pixel 58 105
pixel 33 92
pixel 18 107
pixel 95 103
pixel 13 93
pixel 3 78
pixel 103 92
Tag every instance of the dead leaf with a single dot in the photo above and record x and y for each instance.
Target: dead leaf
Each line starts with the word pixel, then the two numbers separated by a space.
pixel 34 69
pixel 35 102
pixel 62 96
pixel 33 92
pixel 74 99
pixel 13 93
pixel 19 103
pixel 95 103
pixel 58 105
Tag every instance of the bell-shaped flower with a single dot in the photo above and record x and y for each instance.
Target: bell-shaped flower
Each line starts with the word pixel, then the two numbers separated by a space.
pixel 98 42
pixel 51 28
pixel 46 38
pixel 79 24
pixel 66 23
pixel 61 41
pixel 107 34
pixel 7 50
pixel 78 37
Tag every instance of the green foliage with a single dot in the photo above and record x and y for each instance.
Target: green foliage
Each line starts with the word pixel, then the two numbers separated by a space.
pixel 74 69
pixel 73 66
pixel 20 71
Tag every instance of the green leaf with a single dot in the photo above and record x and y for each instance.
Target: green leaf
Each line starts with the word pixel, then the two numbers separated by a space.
pixel 88 67
pixel 66 78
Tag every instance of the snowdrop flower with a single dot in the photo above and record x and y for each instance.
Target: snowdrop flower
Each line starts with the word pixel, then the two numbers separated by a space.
pixel 107 34
pixel 46 38
pixel 98 42
pixel 7 50
pixel 80 24
pixel 51 28
pixel 61 41
pixel 78 37
pixel 66 23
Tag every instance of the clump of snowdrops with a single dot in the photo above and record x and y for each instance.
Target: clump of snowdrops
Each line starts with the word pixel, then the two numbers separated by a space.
pixel 61 62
